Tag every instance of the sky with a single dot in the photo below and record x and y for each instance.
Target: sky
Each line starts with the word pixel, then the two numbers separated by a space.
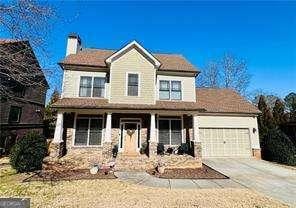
pixel 261 33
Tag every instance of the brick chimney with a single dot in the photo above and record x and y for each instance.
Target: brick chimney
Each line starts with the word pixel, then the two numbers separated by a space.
pixel 73 44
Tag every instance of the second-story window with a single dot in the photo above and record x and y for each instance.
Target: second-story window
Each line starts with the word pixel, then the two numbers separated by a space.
pixel 176 90
pixel 170 90
pixel 85 86
pixel 99 87
pixel 133 84
pixel 14 114
pixel 164 90
pixel 92 87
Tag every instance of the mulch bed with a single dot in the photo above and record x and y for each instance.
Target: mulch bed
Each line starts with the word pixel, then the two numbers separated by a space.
pixel 58 172
pixel 205 172
pixel 69 175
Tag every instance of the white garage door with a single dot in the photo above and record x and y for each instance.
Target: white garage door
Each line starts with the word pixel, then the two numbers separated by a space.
pixel 225 142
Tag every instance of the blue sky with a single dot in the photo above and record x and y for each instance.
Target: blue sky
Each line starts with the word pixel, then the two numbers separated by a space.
pixel 262 33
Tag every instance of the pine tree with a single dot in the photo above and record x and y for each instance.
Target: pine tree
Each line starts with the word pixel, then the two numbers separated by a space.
pixel 265 119
pixel 290 102
pixel 279 112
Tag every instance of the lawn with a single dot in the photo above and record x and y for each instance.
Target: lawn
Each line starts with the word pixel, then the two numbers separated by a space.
pixel 115 193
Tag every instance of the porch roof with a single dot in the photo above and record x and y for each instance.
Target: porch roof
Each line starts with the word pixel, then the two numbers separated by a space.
pixel 208 100
pixel 92 103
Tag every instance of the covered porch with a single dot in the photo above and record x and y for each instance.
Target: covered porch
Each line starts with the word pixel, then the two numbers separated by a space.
pixel 91 135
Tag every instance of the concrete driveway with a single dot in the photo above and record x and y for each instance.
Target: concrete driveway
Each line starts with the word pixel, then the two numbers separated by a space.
pixel 273 180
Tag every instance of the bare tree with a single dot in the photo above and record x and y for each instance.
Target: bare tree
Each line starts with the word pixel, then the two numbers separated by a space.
pixel 235 73
pixel 29 22
pixel 209 77
pixel 229 72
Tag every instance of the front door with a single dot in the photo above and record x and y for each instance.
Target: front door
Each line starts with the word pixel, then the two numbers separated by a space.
pixel 130 137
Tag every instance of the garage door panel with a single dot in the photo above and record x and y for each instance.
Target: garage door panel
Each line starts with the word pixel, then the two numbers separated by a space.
pixel 225 142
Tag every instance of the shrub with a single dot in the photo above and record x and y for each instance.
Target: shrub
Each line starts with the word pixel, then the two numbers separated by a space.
pixel 277 147
pixel 160 149
pixel 183 149
pixel 143 148
pixel 28 153
pixel 170 150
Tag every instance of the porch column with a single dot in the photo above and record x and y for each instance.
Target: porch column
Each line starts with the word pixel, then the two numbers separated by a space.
pixel 108 127
pixel 195 127
pixel 152 140
pixel 55 148
pixel 107 148
pixel 196 139
pixel 58 132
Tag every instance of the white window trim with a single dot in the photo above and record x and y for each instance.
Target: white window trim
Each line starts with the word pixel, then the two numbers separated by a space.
pixel 137 121
pixel 92 87
pixel 87 141
pixel 126 83
pixel 170 91
pixel 182 127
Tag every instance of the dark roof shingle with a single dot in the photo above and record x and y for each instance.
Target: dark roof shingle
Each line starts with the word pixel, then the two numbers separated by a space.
pixel 97 57
pixel 223 100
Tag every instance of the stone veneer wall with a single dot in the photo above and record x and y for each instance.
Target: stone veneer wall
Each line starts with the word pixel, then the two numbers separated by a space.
pixel 84 157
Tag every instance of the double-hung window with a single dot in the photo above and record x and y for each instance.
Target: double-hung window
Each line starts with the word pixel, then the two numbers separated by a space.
pixel 99 87
pixel 170 131
pixel 170 90
pixel 85 86
pixel 92 86
pixel 164 90
pixel 88 131
pixel 176 90
pixel 133 84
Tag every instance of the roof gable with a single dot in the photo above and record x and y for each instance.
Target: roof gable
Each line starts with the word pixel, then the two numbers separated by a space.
pixel 139 48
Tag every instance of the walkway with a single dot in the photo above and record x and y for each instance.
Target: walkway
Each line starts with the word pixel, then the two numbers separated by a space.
pixel 143 178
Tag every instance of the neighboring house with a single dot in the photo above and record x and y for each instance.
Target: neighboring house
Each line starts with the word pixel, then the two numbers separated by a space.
pixel 22 103
pixel 124 98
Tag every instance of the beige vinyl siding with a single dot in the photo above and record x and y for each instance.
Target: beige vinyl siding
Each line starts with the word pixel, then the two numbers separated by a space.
pixel 132 62
pixel 187 83
pixel 234 122
pixel 71 82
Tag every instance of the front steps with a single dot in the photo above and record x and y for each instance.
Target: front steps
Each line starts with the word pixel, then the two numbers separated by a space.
pixel 133 163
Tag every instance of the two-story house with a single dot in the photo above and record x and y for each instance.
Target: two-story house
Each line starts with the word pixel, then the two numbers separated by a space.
pixel 124 98
pixel 22 94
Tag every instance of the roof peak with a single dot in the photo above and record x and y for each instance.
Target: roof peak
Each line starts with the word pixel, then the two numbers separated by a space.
pixel 134 45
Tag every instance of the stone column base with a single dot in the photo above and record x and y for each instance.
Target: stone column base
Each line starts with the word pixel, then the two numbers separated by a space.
pixel 55 150
pixel 256 153
pixel 107 151
pixel 196 149
pixel 152 149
